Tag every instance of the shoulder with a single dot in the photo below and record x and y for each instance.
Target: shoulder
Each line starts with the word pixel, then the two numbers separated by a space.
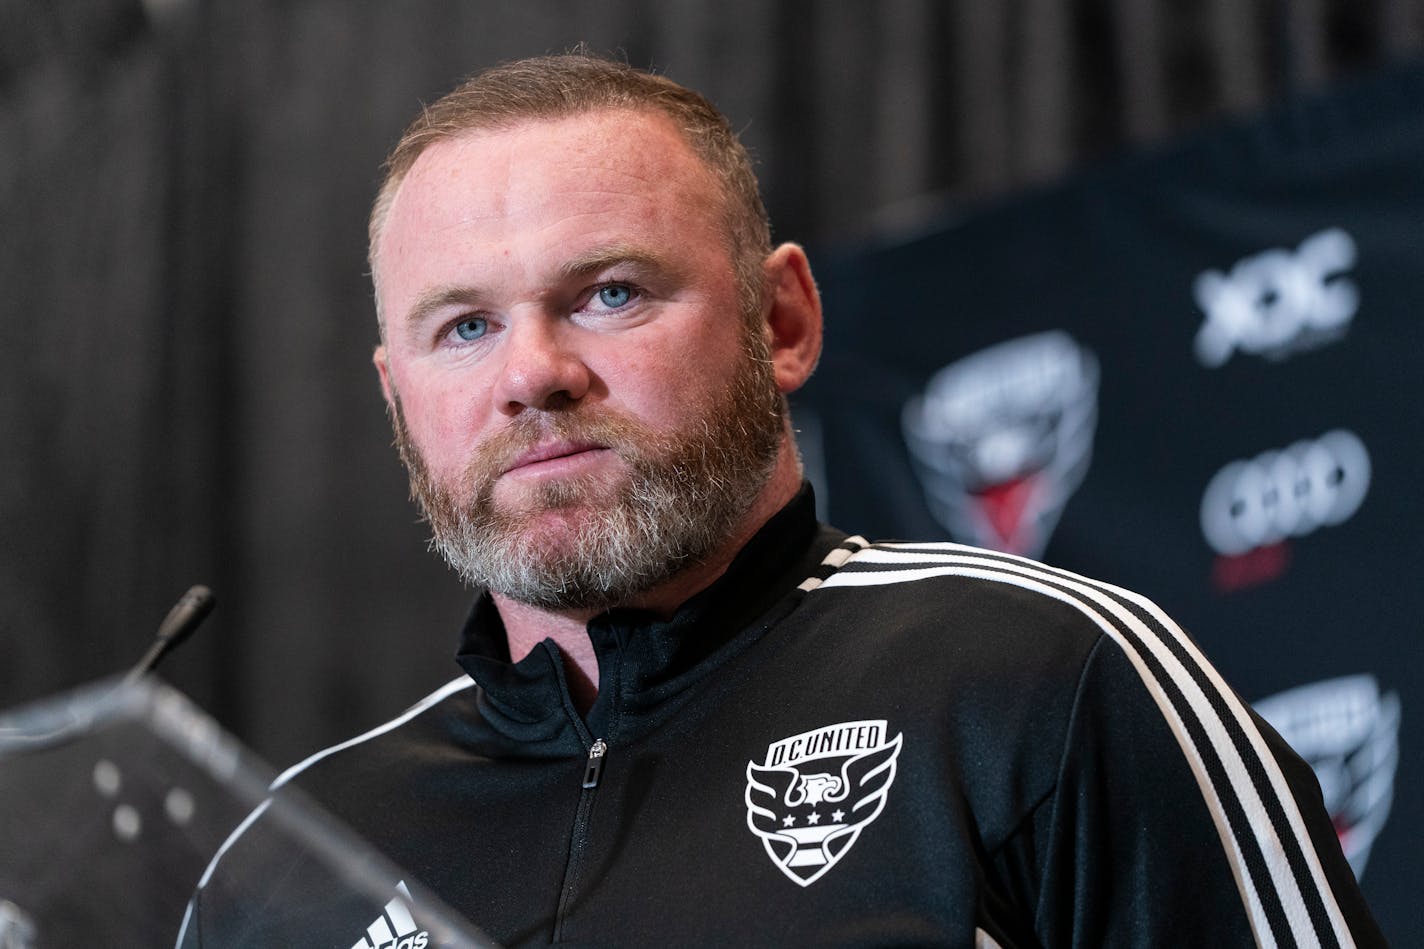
pixel 860 564
pixel 332 769
pixel 980 593
pixel 401 736
pixel 1010 620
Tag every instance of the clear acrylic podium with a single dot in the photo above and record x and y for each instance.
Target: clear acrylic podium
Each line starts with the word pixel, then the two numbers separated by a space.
pixel 113 801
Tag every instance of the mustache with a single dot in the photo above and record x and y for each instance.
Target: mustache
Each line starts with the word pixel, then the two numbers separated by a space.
pixel 600 427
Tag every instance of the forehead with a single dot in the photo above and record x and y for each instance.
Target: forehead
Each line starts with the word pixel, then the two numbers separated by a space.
pixel 629 166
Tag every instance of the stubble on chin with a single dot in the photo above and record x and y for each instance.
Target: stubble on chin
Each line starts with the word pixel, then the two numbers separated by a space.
pixel 595 541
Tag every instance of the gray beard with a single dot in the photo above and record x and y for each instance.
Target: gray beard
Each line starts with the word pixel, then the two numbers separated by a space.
pixel 681 498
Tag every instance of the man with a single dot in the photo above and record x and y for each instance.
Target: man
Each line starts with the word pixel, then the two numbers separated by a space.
pixel 690 714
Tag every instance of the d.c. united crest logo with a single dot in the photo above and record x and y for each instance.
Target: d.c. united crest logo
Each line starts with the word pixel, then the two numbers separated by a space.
pixel 816 792
pixel 1002 438
pixel 1348 730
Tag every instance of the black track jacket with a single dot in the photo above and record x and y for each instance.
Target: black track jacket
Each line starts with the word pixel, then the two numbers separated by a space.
pixel 836 744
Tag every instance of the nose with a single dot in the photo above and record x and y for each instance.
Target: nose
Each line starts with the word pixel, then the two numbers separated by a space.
pixel 541 370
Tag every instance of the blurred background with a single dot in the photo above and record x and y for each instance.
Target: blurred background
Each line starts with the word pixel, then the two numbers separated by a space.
pixel 187 392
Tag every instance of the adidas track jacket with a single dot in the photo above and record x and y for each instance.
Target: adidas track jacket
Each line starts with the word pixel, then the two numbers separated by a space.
pixel 919 745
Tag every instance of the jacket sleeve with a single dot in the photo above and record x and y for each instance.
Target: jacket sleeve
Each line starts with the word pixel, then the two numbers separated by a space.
pixel 1180 818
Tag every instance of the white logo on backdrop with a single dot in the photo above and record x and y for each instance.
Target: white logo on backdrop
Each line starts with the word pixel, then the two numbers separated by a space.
pixel 1003 437
pixel 1287 493
pixel 1349 733
pixel 1278 302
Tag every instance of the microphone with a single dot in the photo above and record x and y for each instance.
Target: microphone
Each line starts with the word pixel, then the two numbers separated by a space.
pixel 190 610
pixel 186 615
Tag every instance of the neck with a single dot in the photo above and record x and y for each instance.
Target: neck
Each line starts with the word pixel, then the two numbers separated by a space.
pixel 526 626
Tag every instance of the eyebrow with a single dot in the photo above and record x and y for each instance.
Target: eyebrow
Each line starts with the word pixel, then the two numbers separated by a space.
pixel 438 298
pixel 602 258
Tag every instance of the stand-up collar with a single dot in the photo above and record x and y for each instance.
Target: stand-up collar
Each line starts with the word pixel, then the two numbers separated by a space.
pixel 642 659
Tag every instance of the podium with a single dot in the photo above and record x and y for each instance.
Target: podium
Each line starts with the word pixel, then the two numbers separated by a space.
pixel 114 800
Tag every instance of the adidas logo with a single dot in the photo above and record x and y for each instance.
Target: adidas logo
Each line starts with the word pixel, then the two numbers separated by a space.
pixel 395 928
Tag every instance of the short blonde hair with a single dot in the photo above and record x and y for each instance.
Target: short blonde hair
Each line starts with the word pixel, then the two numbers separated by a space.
pixel 554 87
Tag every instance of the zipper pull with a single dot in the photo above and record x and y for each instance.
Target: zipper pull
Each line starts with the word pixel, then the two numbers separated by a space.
pixel 594 769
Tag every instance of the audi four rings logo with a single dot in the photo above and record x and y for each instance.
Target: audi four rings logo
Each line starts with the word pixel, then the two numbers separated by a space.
pixel 1286 493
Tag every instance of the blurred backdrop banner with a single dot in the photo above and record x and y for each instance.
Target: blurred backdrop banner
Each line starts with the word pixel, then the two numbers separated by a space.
pixel 1195 373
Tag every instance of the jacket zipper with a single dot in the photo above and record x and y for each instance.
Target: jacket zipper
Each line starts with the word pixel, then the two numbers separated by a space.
pixel 594 769
pixel 592 774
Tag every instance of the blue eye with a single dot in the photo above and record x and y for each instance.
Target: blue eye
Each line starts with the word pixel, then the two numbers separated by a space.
pixel 615 295
pixel 472 328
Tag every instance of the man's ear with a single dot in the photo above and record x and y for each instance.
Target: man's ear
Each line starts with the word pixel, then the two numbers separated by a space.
pixel 793 316
pixel 383 369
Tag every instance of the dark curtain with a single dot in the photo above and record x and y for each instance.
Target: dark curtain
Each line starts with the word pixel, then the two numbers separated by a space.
pixel 187 324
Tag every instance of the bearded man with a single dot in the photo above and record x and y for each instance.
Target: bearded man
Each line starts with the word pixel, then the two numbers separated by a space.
pixel 691 715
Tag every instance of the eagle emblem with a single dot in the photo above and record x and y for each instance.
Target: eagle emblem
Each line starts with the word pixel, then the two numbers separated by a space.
pixel 816 792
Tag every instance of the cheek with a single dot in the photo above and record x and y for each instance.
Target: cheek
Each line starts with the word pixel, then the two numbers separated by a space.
pixel 667 386
pixel 655 382
pixel 443 424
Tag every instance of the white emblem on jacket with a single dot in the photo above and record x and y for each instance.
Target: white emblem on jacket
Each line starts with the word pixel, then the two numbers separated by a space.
pixel 395 928
pixel 815 793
